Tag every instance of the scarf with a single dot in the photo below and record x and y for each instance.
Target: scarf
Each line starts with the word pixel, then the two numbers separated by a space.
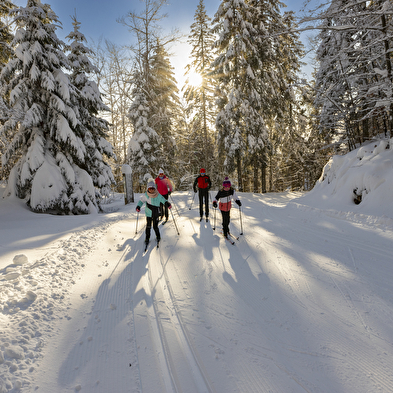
pixel 152 194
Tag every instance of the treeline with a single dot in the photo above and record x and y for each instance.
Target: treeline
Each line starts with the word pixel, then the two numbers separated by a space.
pixel 72 115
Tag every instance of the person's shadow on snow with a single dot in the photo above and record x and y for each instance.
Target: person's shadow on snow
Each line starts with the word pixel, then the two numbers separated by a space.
pixel 245 284
pixel 113 304
pixel 204 240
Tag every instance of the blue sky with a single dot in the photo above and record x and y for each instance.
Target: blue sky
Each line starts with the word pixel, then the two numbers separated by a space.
pixel 98 19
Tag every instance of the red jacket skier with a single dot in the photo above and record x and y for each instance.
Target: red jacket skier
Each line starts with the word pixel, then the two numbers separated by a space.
pixel 203 183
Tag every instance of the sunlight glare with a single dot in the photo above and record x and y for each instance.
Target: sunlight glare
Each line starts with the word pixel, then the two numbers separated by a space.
pixel 195 79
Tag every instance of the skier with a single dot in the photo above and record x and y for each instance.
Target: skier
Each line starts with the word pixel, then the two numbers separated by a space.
pixel 203 182
pixel 226 194
pixel 164 187
pixel 152 199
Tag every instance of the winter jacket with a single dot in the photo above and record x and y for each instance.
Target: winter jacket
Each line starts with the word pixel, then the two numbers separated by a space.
pixel 226 197
pixel 154 202
pixel 203 181
pixel 164 185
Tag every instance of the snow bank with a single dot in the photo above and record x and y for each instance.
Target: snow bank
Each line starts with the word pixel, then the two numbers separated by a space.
pixel 359 184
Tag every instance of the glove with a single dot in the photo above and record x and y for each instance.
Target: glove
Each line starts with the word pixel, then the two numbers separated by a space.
pixel 238 202
pixel 215 204
pixel 169 206
pixel 169 192
pixel 195 190
pixel 138 209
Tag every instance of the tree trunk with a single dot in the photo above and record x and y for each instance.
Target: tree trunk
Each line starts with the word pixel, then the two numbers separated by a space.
pixel 256 173
pixel 389 71
pixel 239 172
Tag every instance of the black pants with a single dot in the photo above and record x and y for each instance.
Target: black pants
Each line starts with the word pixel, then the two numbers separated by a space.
pixel 164 211
pixel 149 222
pixel 226 218
pixel 203 193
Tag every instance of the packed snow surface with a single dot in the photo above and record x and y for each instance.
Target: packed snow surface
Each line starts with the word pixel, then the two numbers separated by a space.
pixel 302 302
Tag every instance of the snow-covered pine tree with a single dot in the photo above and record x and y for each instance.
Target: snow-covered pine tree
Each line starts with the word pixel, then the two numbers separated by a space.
pixel 200 97
pixel 335 92
pixel 144 142
pixel 354 78
pixel 240 123
pixel 164 103
pixel 281 51
pixel 92 128
pixel 47 151
pixel 6 35
pixel 6 38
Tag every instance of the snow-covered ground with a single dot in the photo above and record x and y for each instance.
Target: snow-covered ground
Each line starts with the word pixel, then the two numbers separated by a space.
pixel 303 302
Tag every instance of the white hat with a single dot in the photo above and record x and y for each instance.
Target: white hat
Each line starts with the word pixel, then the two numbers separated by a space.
pixel 160 171
pixel 151 184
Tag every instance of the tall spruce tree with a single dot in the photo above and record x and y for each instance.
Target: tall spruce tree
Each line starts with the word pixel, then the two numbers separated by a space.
pixel 6 35
pixel 89 105
pixel 200 97
pixel 6 38
pixel 240 123
pixel 47 151
pixel 144 143
pixel 146 29
pixel 164 103
pixel 354 77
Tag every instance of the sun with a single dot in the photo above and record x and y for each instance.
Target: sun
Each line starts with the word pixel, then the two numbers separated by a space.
pixel 194 79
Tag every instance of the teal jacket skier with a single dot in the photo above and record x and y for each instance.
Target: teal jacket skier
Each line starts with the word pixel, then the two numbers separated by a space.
pixel 152 200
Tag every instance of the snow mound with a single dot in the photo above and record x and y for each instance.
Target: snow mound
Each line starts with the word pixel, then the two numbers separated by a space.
pixel 358 185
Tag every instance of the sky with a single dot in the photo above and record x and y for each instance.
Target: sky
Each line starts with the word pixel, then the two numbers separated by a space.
pixel 302 302
pixel 98 19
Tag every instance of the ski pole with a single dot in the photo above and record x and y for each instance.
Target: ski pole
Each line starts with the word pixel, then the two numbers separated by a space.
pixel 173 203
pixel 173 218
pixel 214 226
pixel 192 201
pixel 241 221
pixel 136 228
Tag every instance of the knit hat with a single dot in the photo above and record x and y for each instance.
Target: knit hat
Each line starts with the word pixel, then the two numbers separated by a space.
pixel 151 184
pixel 226 182
pixel 202 171
pixel 161 171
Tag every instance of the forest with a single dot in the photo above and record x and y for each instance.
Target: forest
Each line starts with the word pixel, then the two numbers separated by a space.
pixel 73 113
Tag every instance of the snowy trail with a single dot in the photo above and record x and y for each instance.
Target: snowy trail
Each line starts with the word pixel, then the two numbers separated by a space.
pixel 301 303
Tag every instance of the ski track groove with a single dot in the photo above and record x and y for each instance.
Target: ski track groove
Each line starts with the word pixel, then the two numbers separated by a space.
pixel 166 359
pixel 197 370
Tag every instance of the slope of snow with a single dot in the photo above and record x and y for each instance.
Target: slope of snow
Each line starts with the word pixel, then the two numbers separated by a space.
pixel 301 303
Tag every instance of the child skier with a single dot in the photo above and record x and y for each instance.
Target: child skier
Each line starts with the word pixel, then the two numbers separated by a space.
pixel 152 198
pixel 226 194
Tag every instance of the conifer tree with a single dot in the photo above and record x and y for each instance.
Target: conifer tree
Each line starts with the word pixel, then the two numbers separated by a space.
pixel 200 97
pixel 47 152
pixel 164 102
pixel 143 146
pixel 240 123
pixel 89 104
pixel 6 37
pixel 146 30
pixel 354 80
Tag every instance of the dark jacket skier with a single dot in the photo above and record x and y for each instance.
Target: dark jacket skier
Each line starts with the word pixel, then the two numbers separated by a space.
pixel 204 184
